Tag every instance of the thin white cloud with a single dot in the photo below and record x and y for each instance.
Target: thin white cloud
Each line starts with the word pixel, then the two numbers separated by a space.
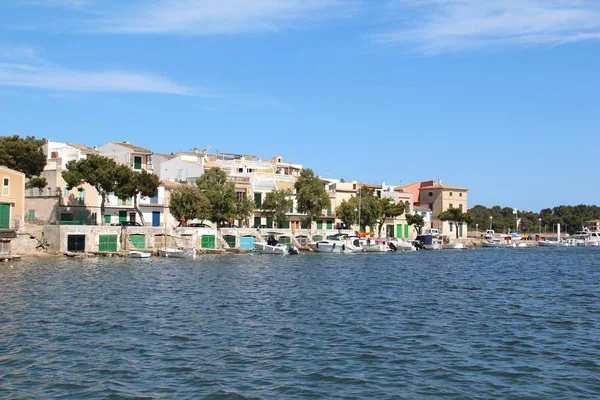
pixel 209 17
pixel 60 79
pixel 439 26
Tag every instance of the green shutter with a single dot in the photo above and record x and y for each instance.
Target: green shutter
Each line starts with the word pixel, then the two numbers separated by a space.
pixel 329 224
pixel 285 225
pixel 316 238
pixel 257 200
pixel 399 231
pixel 137 162
pixel 82 216
pixel 269 222
pixel 107 243
pixel 319 224
pixel 66 192
pixel 30 215
pixel 122 216
pixel 230 240
pixel 4 216
pixel 285 240
pixel 406 231
pixel 107 219
pixel 461 229
pixel 208 242
pixel 257 221
pixel 450 225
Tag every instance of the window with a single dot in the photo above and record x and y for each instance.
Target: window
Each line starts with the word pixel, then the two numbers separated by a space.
pixel 430 194
pixel 460 195
pixel 81 198
pixel 54 154
pixel 66 192
pixel 460 207
pixel 258 200
pixel 450 206
pixel 137 162
pixel 450 194
pixel 450 225
pixel 5 181
pixel 30 215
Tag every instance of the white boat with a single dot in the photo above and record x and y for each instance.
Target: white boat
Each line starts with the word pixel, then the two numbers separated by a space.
pixel 502 242
pixel 554 243
pixel 401 245
pixel 139 254
pixel 588 239
pixel 273 247
pixel 331 246
pixel 453 246
pixel 428 242
pixel 366 245
pixel 176 253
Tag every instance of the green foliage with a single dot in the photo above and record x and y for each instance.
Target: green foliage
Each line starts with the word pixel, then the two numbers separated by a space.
pixel 388 209
pixel 277 204
pixel 23 154
pixel 220 193
pixel 311 196
pixel 345 212
pixel 571 218
pixel 133 183
pixel 456 216
pixel 39 183
pixel 244 209
pixel 190 202
pixel 369 207
pixel 104 174
pixel 415 220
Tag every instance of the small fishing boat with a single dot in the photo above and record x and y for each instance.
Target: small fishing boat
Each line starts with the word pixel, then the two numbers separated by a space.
pixel 139 254
pixel 274 247
pixel 176 253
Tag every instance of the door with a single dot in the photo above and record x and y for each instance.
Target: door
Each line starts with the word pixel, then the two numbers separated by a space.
pixel 257 221
pixel 76 243
pixel 107 219
pixel 4 216
pixel 132 216
pixel 406 231
pixel 247 242
pixel 389 230
pixel 138 241
pixel 82 217
pixel 122 216
pixel 137 162
pixel 230 240
pixel 107 243
pixel 155 218
pixel 208 242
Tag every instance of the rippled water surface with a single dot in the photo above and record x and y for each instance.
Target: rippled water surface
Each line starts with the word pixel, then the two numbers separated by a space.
pixel 476 324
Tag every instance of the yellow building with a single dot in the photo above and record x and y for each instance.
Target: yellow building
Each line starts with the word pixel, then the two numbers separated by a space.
pixel 440 197
pixel 12 199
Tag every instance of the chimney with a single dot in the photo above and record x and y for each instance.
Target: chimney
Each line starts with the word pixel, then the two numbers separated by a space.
pixel 439 181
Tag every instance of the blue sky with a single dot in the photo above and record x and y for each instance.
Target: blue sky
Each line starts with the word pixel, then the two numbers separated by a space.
pixel 501 97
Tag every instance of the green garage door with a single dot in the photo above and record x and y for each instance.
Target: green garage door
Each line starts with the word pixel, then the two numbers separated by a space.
pixel 107 243
pixel 138 241
pixel 230 239
pixel 208 242
pixel 4 216
pixel 76 243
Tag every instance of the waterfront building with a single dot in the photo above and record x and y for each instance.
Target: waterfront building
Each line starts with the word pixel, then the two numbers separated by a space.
pixel 592 225
pixel 12 199
pixel 136 157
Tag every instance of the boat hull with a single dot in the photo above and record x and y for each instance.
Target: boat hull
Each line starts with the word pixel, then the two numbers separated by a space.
pixel 279 249
pixel 139 254
pixel 175 253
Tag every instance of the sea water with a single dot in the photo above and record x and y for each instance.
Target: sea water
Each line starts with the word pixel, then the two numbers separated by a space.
pixel 473 324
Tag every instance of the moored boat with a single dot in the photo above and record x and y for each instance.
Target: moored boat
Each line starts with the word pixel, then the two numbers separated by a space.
pixel 176 253
pixel 274 247
pixel 139 254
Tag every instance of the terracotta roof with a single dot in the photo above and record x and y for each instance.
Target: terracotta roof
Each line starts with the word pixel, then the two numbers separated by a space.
pixel 137 149
pixel 170 184
pixel 83 147
pixel 169 156
pixel 442 186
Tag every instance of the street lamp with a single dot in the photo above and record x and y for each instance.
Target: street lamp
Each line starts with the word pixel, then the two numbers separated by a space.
pixel 491 218
pixel 540 225
pixel 355 211
pixel 477 229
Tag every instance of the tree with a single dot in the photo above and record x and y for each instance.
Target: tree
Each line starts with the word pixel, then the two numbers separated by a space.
pixel 136 183
pixel 345 212
pixel 277 204
pixel 104 174
pixel 369 208
pixel 221 194
pixel 456 216
pixel 311 196
pixel 415 220
pixel 189 202
pixel 388 209
pixel 244 209
pixel 38 182
pixel 24 155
